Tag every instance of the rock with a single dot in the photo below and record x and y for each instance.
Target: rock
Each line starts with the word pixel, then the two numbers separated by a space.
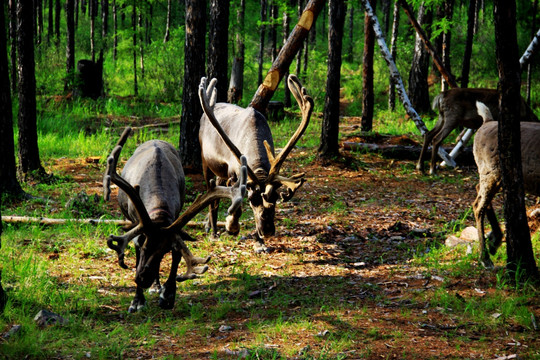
pixel 14 330
pixel 225 328
pixel 44 318
pixel 469 234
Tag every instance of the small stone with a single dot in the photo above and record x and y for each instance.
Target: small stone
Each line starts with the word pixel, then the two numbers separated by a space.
pixel 469 234
pixel 44 318
pixel 225 328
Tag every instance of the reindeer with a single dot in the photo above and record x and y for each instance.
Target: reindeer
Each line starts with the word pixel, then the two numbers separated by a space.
pixel 457 107
pixel 151 196
pixel 486 155
pixel 249 129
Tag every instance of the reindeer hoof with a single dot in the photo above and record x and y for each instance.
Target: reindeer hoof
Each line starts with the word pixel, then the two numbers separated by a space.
pixel 136 306
pixel 200 269
pixel 231 225
pixel 487 263
pixel 166 301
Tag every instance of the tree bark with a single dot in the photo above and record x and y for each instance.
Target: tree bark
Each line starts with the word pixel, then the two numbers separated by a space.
pixel 194 69
pixel 70 46
pixel 446 43
pixel 298 69
pixel 168 25
pixel 218 38
pixel 273 29
pixel 350 50
pixel 286 55
pixel 368 98
pixel 13 38
pixel 393 53
pixel 286 30
pixel 466 64
pixel 329 146
pixel 58 9
pixel 39 13
pixel 520 256
pixel 418 76
pixel 93 11
pixel 236 85
pixel 28 145
pixel 3 296
pixel 8 169
pixel 104 19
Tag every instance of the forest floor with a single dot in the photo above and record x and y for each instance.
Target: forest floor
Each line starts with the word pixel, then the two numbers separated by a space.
pixel 359 223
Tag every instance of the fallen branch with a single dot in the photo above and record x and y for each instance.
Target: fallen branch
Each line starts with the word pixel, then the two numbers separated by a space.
pixel 14 219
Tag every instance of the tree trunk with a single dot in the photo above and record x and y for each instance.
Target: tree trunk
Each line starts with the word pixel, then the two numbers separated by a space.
pixel 50 24
pixel 58 9
pixel 218 38
pixel 8 169
pixel 134 27
pixel 446 43
pixel 529 66
pixel 261 41
pixel 350 51
pixel 92 10
pixel 466 64
pixel 194 69
pixel 3 296
pixel 70 46
pixel 13 37
pixel 168 26
pixel 286 55
pixel 104 19
pixel 286 30
pixel 141 44
pixel 368 98
pixel 329 146
pixel 39 13
pixel 298 69
pixel 273 29
pixel 236 85
pixel 393 52
pixel 115 31
pixel 520 256
pixel 418 85
pixel 28 145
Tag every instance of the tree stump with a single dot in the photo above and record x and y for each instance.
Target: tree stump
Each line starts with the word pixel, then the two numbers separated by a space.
pixel 89 78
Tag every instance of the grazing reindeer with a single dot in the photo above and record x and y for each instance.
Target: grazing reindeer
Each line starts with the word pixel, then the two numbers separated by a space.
pixel 249 129
pixel 486 155
pixel 152 188
pixel 457 107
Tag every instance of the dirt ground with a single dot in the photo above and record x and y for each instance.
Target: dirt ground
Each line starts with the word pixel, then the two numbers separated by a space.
pixel 385 211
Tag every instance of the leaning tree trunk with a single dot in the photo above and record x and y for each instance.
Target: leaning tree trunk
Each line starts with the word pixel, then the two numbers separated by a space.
pixel 8 169
pixel 520 256
pixel 28 145
pixel 218 54
pixel 418 77
pixel 70 46
pixel 466 64
pixel 329 146
pixel 286 55
pixel 194 69
pixel 236 85
pixel 368 98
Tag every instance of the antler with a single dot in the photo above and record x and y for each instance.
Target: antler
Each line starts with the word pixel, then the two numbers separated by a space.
pixel 305 103
pixel 119 243
pixel 208 108
pixel 236 193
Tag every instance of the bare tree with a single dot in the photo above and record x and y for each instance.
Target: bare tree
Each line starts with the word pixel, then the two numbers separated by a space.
pixel 329 146
pixel 520 256
pixel 393 52
pixel 217 46
pixel 194 69
pixel 28 145
pixel 168 25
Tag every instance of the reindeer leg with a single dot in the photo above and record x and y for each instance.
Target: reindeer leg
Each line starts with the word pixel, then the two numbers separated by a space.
pixel 138 302
pixel 496 235
pixel 486 189
pixel 428 137
pixel 232 222
pixel 437 141
pixel 168 290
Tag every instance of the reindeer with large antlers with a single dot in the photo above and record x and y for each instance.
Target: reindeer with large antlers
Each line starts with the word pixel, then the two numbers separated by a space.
pixel 249 129
pixel 152 188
